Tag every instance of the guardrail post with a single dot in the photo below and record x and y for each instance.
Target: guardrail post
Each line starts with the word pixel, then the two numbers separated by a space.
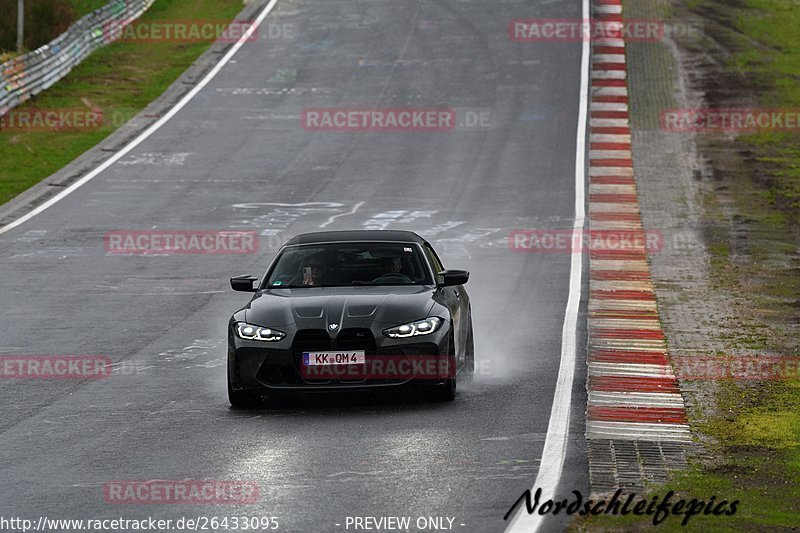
pixel 20 24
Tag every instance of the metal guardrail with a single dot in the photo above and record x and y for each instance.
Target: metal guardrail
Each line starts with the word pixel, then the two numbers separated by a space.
pixel 32 73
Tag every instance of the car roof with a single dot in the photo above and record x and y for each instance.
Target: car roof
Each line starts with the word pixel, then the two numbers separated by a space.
pixel 318 237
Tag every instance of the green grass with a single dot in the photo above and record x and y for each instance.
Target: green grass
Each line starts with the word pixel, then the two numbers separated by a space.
pixel 757 462
pixel 120 79
pixel 82 7
pixel 774 25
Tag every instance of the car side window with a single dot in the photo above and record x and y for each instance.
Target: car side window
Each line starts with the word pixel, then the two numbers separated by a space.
pixel 433 258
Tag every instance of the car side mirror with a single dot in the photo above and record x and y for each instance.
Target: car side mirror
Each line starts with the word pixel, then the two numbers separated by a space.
pixel 448 278
pixel 243 283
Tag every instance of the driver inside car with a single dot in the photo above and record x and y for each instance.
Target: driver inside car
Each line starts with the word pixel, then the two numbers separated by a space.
pixel 391 272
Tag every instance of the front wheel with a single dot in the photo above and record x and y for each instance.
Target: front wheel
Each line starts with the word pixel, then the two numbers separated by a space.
pixel 469 354
pixel 446 392
pixel 241 399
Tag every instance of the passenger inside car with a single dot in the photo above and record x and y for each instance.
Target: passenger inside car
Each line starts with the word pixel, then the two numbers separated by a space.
pixel 314 271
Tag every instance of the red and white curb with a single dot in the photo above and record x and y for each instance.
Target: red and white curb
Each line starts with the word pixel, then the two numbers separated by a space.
pixel 633 392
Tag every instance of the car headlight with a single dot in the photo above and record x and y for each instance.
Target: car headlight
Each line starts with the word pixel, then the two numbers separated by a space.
pixel 418 327
pixel 257 333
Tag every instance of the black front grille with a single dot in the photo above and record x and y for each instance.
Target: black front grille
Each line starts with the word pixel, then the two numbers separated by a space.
pixel 356 339
pixel 290 373
pixel 311 340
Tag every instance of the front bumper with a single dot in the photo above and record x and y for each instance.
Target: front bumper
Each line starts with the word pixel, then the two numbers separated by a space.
pixel 257 365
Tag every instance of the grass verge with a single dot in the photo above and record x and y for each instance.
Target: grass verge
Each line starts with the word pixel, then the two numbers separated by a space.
pixel 755 431
pixel 82 7
pixel 119 79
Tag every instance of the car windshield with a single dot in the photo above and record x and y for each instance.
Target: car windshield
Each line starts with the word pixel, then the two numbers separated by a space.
pixel 349 264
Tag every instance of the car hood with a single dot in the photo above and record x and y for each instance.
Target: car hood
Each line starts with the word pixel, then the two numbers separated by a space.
pixel 319 307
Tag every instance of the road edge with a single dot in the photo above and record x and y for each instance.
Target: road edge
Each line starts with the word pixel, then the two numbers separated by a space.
pixel 46 190
pixel 556 442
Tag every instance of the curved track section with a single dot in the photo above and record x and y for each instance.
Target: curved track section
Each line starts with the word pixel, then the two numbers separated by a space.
pixel 238 157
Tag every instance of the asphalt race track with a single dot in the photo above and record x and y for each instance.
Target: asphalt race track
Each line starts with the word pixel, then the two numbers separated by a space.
pixel 237 157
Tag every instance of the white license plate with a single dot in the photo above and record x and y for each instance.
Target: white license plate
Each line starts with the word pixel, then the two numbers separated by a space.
pixel 354 357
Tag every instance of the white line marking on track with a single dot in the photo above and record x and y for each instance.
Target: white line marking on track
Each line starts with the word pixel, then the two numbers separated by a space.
pixel 636 399
pixel 609 74
pixel 638 431
pixel 555 444
pixel 630 369
pixel 625 305
pixel 610 171
pixel 334 217
pixel 615 264
pixel 612 323
pixel 644 286
pixel 152 129
pixel 628 209
pixel 609 122
pixel 612 225
pixel 610 154
pixel 610 91
pixel 640 345
pixel 610 138
pixel 608 58
pixel 614 188
pixel 608 9
pixel 609 106
pixel 609 41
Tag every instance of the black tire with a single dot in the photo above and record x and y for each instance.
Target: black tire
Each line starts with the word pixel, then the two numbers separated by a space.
pixel 469 354
pixel 446 392
pixel 242 399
